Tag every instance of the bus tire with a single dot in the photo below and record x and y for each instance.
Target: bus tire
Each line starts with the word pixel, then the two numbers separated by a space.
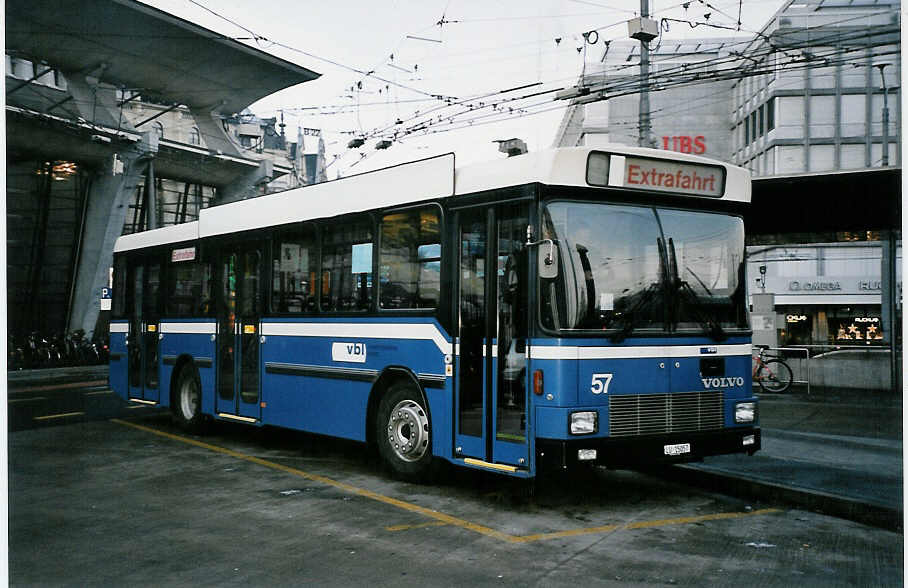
pixel 187 400
pixel 403 432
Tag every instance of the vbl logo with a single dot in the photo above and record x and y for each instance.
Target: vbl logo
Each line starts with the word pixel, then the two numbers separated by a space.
pixel 349 352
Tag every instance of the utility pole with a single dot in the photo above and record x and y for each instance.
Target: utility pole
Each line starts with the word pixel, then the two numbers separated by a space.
pixel 889 282
pixel 643 139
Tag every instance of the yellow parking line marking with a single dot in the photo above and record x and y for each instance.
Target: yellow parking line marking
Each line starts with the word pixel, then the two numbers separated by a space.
pixel 98 393
pixel 136 406
pixel 58 416
pixel 421 526
pixel 441 518
pixel 334 483
pixel 646 524
pixel 35 399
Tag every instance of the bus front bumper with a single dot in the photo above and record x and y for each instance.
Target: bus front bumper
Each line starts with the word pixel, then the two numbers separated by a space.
pixel 633 452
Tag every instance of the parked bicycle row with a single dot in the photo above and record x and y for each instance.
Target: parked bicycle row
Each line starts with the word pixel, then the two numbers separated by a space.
pixel 36 350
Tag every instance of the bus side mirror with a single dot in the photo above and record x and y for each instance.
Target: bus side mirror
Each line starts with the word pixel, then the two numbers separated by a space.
pixel 547 257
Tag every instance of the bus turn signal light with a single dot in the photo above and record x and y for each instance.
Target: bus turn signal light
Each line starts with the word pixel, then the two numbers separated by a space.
pixel 537 383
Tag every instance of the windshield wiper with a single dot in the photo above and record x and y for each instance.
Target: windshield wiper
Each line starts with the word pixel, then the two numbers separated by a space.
pixel 630 319
pixel 684 291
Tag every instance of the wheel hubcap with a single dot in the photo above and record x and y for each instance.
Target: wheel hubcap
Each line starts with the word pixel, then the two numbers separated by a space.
pixel 408 431
pixel 189 399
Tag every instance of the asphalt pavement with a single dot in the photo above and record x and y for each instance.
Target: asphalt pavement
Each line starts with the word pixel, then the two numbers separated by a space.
pixel 831 452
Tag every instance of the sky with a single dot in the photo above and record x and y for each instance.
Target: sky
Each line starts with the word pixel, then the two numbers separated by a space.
pixel 388 61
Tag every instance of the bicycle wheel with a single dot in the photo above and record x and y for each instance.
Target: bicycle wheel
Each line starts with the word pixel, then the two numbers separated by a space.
pixel 774 376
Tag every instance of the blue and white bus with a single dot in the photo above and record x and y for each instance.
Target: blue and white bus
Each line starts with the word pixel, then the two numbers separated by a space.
pixel 565 306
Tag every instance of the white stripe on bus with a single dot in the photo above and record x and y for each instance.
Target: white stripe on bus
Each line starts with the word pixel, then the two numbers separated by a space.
pixel 190 328
pixel 657 351
pixel 423 331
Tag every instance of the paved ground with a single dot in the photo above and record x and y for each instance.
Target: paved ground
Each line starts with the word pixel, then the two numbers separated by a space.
pixel 95 501
pixel 135 502
pixel 834 454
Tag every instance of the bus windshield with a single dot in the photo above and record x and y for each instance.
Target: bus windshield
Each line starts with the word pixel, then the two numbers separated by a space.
pixel 639 268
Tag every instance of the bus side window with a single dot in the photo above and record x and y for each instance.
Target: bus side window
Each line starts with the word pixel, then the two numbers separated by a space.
pixel 410 259
pixel 182 288
pixel 347 265
pixel 294 266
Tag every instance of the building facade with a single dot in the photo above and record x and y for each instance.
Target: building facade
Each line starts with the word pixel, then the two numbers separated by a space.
pixel 813 100
pixel 824 294
pixel 688 118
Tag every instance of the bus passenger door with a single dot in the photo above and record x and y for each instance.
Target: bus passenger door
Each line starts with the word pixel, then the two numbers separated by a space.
pixel 143 298
pixel 491 335
pixel 239 316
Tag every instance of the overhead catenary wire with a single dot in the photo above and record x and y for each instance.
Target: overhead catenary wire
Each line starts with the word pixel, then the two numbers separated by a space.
pixel 821 57
pixel 697 72
pixel 458 109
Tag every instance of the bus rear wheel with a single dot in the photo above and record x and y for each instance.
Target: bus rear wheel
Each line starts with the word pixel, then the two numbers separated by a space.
pixel 187 402
pixel 404 433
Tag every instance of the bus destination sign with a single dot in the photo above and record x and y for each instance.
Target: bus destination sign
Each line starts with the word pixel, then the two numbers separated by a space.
pixel 185 254
pixel 674 176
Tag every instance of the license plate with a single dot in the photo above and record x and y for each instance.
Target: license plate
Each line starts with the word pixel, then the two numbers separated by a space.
pixel 679 449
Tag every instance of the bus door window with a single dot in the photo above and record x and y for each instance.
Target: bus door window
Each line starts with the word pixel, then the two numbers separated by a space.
pixel 134 309
pixel 473 241
pixel 250 311
pixel 119 287
pixel 512 324
pixel 227 326
pixel 150 315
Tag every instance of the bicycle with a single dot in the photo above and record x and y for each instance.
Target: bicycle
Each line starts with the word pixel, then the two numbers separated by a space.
pixel 773 375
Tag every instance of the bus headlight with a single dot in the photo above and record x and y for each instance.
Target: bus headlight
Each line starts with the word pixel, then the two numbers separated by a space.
pixel 584 423
pixel 745 412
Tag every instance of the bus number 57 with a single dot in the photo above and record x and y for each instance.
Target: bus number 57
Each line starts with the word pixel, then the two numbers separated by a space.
pixel 600 383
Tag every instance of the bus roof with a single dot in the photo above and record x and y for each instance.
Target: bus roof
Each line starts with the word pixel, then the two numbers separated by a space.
pixel 439 177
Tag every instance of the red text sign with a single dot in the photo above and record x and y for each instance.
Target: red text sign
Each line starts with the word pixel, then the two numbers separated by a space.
pixel 685 144
pixel 674 176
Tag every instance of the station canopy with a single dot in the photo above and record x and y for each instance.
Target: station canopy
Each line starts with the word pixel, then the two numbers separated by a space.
pixel 828 201
pixel 147 50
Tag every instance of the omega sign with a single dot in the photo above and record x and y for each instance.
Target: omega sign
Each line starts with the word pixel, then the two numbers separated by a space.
pixel 797 286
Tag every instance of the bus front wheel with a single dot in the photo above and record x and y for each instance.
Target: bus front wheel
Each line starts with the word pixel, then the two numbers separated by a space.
pixel 403 432
pixel 187 403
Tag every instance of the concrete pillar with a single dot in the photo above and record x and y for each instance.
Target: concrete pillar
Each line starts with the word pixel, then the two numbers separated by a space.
pixel 763 320
pixel 888 296
pixel 248 185
pixel 108 202
pixel 151 197
pixel 96 102
pixel 214 135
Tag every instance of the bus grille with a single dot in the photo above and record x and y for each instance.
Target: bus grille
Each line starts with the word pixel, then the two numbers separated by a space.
pixel 650 414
